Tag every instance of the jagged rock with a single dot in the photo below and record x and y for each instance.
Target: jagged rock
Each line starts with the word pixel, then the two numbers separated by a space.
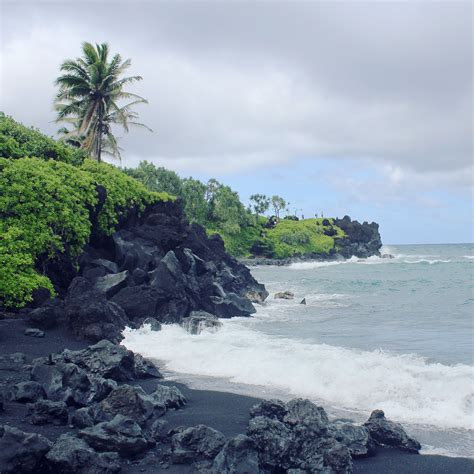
pixel 145 369
pixel 199 321
pixel 389 433
pixel 195 444
pixel 105 359
pixel 238 456
pixel 69 383
pixel 26 392
pixel 111 284
pixel 139 300
pixel 159 430
pixel 90 315
pixel 45 316
pixel 275 409
pixel 305 412
pixel 45 411
pixel 295 436
pixel 72 454
pixel 107 265
pixel 21 452
pixel 33 332
pixel 274 441
pixel 131 402
pixel 284 295
pixel 356 438
pixel 361 240
pixel 154 324
pixel 83 418
pixel 170 397
pixel 122 435
pixel 231 305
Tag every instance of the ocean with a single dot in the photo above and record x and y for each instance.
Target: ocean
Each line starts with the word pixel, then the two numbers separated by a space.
pixel 393 334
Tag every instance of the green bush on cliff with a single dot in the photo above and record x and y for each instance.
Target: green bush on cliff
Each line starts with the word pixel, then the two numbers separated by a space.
pixel 123 193
pixel 18 141
pixel 45 205
pixel 301 237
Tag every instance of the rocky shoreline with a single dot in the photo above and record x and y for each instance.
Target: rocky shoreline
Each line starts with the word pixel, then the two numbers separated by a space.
pixel 103 409
pixel 67 406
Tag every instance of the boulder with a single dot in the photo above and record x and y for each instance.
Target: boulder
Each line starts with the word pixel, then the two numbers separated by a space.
pixel 159 430
pixel 170 397
pixel 43 412
pixel 131 402
pixel 273 440
pixel 105 359
pixel 305 412
pixel 356 438
pixel 83 417
pixel 122 435
pixel 238 456
pixel 33 332
pixel 21 452
pixel 90 316
pixel 294 436
pixel 24 392
pixel 388 433
pixel 275 409
pixel 199 321
pixel 284 295
pixel 45 316
pixel 65 382
pixel 231 305
pixel 111 284
pixel 195 444
pixel 107 265
pixel 154 324
pixel 139 300
pixel 72 454
pixel 145 369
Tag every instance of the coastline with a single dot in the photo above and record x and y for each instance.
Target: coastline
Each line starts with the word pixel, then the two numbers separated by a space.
pixel 224 411
pixel 264 261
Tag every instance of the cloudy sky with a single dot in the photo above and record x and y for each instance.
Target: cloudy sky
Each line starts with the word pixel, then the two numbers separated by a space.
pixel 342 107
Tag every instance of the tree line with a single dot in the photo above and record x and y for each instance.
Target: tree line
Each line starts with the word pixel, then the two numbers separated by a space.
pixel 90 101
pixel 211 204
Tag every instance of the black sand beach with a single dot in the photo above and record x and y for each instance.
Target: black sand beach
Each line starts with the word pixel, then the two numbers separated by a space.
pixel 226 412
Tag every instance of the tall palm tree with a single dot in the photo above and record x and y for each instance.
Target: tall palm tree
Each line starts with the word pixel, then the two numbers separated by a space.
pixel 90 91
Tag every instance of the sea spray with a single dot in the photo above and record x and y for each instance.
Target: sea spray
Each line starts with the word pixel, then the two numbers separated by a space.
pixel 406 387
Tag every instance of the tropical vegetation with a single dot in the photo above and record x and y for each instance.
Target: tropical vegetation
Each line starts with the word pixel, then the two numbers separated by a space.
pixel 91 89
pixel 46 197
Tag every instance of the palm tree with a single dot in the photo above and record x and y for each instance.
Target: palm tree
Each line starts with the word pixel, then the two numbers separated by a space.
pixel 90 90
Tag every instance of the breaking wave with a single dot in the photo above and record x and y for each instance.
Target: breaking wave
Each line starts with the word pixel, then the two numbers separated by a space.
pixel 408 387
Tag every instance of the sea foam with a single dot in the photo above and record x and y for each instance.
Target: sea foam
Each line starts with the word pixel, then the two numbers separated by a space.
pixel 407 387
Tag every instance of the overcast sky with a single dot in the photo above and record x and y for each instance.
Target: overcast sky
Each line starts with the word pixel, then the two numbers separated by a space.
pixel 344 107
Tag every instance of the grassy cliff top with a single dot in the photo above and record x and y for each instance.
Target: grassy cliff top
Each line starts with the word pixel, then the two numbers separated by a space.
pixel 286 239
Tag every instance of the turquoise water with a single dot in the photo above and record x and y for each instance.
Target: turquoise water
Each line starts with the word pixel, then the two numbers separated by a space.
pixel 421 302
pixel 394 334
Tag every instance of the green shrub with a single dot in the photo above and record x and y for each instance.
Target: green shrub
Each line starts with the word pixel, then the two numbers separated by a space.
pixel 18 141
pixel 45 210
pixel 290 237
pixel 124 193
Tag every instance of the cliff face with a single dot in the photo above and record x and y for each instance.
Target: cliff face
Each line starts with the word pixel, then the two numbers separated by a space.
pixel 362 240
pixel 156 266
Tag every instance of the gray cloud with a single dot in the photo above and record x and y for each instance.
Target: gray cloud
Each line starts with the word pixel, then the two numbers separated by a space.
pixel 233 86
